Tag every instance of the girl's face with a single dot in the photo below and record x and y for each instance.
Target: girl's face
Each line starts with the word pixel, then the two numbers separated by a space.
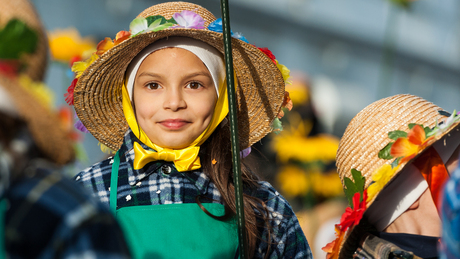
pixel 174 97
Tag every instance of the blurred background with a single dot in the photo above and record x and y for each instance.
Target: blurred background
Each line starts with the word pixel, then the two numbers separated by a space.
pixel 343 55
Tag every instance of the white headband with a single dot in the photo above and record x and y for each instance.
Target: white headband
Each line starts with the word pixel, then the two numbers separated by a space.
pixel 6 103
pixel 397 197
pixel 211 58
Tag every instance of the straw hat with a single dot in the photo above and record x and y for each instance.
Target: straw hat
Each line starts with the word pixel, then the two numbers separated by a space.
pixel 98 93
pixel 25 11
pixel 367 134
pixel 42 122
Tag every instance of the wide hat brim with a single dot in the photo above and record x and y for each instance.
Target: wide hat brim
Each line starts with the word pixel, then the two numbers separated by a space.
pixel 355 233
pixel 43 124
pixel 98 93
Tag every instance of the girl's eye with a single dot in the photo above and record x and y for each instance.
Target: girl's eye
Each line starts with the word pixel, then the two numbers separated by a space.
pixel 153 86
pixel 194 85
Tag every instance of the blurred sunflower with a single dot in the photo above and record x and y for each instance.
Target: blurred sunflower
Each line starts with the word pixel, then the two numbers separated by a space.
pixel 295 145
pixel 326 184
pixel 293 181
pixel 66 44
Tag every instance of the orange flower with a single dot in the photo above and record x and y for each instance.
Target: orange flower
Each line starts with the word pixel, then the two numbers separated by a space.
pixel 332 249
pixel 121 36
pixel 104 45
pixel 407 148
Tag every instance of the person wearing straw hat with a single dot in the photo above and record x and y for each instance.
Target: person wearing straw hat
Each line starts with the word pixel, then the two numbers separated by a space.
pixel 43 214
pixel 157 94
pixel 394 159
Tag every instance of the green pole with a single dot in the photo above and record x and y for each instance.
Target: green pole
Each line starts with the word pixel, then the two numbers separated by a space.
pixel 234 129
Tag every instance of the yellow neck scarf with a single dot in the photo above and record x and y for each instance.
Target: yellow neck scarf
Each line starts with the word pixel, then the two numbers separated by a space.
pixel 185 159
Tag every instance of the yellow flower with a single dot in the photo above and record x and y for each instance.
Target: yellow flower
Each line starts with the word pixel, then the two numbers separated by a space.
pixel 105 149
pixel 326 184
pixel 284 71
pixel 293 181
pixel 298 92
pixel 39 90
pixel 66 44
pixel 292 146
pixel 380 178
pixel 80 66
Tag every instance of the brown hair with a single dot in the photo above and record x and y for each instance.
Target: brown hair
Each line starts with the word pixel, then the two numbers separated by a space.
pixel 218 148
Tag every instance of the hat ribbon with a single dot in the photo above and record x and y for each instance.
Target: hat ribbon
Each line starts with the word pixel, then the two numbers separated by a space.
pixel 434 171
pixel 184 159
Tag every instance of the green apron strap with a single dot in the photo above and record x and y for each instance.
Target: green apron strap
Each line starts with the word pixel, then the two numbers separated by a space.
pixel 3 205
pixel 114 183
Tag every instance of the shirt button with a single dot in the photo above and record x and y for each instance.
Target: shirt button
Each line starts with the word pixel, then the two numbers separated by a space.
pixel 166 169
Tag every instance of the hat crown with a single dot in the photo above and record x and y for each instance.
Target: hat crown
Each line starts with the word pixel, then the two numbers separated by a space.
pixel 24 11
pixel 367 133
pixel 167 10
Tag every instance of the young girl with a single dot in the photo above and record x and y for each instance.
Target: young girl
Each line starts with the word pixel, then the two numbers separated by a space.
pixel 157 94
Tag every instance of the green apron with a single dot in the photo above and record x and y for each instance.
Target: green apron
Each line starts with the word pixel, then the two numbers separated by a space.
pixel 174 230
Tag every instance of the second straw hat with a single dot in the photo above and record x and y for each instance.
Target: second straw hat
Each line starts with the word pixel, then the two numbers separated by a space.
pixel 367 136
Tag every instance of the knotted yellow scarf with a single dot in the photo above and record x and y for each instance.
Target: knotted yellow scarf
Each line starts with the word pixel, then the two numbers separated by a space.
pixel 185 159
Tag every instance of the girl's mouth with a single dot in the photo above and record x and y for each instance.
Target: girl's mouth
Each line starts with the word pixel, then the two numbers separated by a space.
pixel 174 124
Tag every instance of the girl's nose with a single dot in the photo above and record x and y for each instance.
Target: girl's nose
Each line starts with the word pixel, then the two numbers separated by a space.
pixel 174 100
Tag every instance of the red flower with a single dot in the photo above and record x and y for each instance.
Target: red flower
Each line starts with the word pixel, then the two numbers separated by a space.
pixel 69 95
pixel 9 68
pixel 269 54
pixel 74 59
pixel 351 217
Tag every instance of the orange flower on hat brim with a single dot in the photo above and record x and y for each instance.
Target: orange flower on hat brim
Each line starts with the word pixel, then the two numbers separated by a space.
pixel 409 147
pixel 333 248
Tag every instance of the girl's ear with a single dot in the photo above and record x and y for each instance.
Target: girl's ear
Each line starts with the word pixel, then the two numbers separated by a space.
pixel 414 205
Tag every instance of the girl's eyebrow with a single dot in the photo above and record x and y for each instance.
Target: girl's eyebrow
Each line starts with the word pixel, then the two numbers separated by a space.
pixel 198 74
pixel 145 73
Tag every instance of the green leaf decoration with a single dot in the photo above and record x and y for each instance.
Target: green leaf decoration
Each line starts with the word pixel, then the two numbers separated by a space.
pixel 411 125
pixel 353 187
pixel 427 131
pixel 16 39
pixel 152 19
pixel 394 135
pixel 384 153
pixel 359 180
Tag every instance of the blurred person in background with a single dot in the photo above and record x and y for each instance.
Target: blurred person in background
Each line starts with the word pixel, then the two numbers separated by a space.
pixel 394 158
pixel 450 214
pixel 43 214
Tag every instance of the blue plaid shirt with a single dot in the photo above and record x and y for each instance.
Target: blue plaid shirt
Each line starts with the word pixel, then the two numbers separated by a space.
pixel 450 216
pixel 160 183
pixel 49 216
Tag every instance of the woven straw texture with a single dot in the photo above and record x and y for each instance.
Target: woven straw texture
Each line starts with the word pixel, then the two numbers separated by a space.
pixel 367 133
pixel 260 92
pixel 41 122
pixel 24 11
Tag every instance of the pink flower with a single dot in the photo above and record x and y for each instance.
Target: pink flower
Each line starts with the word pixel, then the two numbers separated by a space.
pixel 189 20
pixel 69 95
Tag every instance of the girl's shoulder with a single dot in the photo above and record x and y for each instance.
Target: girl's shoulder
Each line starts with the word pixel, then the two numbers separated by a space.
pixel 273 199
pixel 96 178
